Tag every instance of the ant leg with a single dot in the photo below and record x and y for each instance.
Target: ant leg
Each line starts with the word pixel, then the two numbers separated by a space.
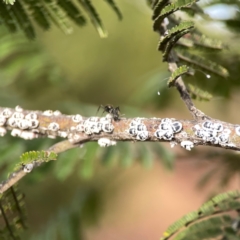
pixel 101 106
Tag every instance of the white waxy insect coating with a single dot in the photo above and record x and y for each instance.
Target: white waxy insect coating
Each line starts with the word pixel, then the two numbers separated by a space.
pixel 28 168
pixel 142 136
pixel 107 127
pixel 16 132
pixel 237 130
pixel 106 142
pixel 23 124
pixel 188 145
pixel 18 108
pixel 18 115
pixel 53 126
pixel 12 122
pixel 3 131
pixel 2 120
pixel 31 116
pixel 87 130
pixel 57 113
pixel 33 123
pixel 62 134
pixel 173 144
pixel 77 118
pixel 48 113
pixel 28 135
pixel 6 113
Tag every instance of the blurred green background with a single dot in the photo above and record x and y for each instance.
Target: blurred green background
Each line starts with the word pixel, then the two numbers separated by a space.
pixel 90 193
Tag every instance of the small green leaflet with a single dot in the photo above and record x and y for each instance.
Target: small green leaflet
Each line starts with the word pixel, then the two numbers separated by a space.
pixel 176 74
pixel 29 157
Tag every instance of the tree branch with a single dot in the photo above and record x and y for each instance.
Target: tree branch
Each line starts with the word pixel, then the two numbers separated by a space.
pixel 78 130
pixel 179 83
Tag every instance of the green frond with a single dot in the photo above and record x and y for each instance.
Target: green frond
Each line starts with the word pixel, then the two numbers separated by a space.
pixel 72 11
pixel 58 16
pixel 6 18
pixel 176 74
pixel 199 94
pixel 206 42
pixel 202 63
pixel 38 13
pixel 158 6
pixel 203 222
pixel 169 9
pixel 12 214
pixel 115 8
pixel 21 16
pixel 92 13
pixel 200 40
pixel 29 157
pixel 172 43
pixel 211 228
pixel 182 27
pixel 9 1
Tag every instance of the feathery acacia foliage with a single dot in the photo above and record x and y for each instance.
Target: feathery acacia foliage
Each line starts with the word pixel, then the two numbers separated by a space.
pixel 209 221
pixel 18 15
pixel 183 37
pixel 12 214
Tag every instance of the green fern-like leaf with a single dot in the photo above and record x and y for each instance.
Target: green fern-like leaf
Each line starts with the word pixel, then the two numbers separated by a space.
pixel 182 27
pixel 202 63
pixel 29 157
pixel 115 8
pixel 199 94
pixel 47 12
pixel 72 11
pixel 92 13
pixel 206 42
pixel 176 74
pixel 39 14
pixel 7 18
pixel 12 214
pixel 158 6
pixel 9 1
pixel 21 16
pixel 202 223
pixel 169 9
pixel 58 16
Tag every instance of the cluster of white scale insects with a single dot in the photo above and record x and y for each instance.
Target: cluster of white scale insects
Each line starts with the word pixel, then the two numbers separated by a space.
pixel 92 125
pixel 167 128
pixel 26 126
pixel 213 132
pixel 22 125
pixel 138 129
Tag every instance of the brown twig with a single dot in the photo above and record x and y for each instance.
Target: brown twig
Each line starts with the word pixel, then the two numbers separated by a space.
pixel 79 130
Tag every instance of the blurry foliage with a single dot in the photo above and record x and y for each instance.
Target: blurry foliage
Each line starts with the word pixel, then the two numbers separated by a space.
pixel 19 15
pixel 29 76
pixel 85 208
pixel 210 221
pixel 12 214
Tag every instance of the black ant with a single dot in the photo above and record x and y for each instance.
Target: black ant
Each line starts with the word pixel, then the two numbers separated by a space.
pixel 115 112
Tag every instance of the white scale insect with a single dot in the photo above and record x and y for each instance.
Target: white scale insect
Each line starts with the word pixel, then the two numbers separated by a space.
pixel 188 145
pixel 167 129
pixel 213 132
pixel 138 129
pixel 28 168
pixel 106 142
